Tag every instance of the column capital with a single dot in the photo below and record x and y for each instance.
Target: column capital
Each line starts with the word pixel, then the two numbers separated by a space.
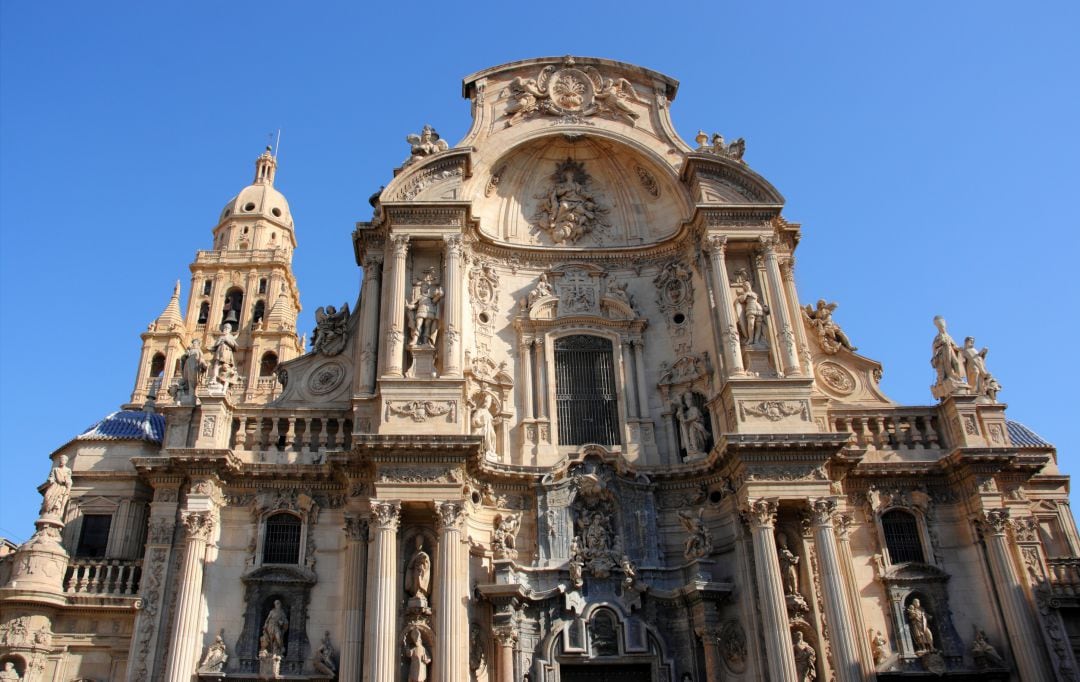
pixel 505 635
pixel 209 488
pixel 356 527
pixel 385 515
pixel 787 269
pixel 373 265
pixel 454 244
pixel 760 513
pixel 715 244
pixel 843 523
pixel 450 514
pixel 400 244
pixel 768 244
pixel 199 525
pixel 822 511
pixel 994 521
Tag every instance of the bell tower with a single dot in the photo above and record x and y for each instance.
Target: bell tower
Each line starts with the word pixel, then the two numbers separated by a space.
pixel 245 281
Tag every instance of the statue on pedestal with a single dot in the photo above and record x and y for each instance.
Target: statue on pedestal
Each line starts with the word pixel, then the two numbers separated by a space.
pixel 217 655
pixel 805 658
pixel 418 575
pixel 946 361
pixel 223 365
pixel 483 425
pixel 323 660
pixel 830 335
pixel 980 381
pixel 192 367
pixel 502 542
pixel 691 425
pixel 57 491
pixel 9 672
pixel 919 625
pixel 418 659
pixel 275 627
pixel 699 543
pixel 329 336
pixel 422 310
pixel 789 566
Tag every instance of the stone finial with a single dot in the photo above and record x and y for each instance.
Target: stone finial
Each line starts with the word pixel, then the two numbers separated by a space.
pixel 171 317
pixel 731 150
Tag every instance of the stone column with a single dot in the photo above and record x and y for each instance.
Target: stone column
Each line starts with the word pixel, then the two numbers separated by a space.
pixel 187 619
pixel 639 365
pixel 541 379
pixel 730 348
pixel 1019 620
pixel 525 361
pixel 777 304
pixel 352 625
pixel 761 516
pixel 787 270
pixel 505 639
pixel 451 621
pixel 847 564
pixel 381 655
pixel 370 301
pixel 395 332
pixel 452 306
pixel 847 666
pixel 626 352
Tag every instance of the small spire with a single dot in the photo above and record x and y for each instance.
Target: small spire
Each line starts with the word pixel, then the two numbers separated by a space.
pixel 171 315
pixel 282 315
pixel 265 167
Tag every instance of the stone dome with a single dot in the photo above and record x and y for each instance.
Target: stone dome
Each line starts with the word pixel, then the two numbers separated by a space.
pixel 260 199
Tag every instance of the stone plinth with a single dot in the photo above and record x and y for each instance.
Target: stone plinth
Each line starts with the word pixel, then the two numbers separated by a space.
pixel 432 407
pixel 768 406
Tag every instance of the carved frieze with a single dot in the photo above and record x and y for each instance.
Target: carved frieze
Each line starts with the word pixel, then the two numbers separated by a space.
pixel 420 475
pixel 774 410
pixel 422 410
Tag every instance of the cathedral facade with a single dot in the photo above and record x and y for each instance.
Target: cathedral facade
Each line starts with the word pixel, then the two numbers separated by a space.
pixel 577 426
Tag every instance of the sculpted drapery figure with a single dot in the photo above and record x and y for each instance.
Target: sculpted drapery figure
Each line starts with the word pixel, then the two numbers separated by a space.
pixel 749 312
pixel 216 655
pixel 984 653
pixel 483 425
pixel 805 658
pixel 542 289
pixel 980 381
pixel 329 337
pixel 946 361
pixel 9 672
pixel 418 575
pixel 424 143
pixel 418 659
pixel 699 543
pixel 569 210
pixel 829 333
pixel 58 489
pixel 192 367
pixel 789 566
pixel 691 425
pixel 919 625
pixel 274 629
pixel 423 309
pixel 223 365
pixel 323 660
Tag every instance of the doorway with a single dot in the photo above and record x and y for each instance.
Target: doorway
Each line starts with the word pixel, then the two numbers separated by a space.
pixel 637 672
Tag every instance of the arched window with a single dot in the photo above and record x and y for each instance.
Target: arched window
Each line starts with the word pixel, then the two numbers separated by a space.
pixel 259 312
pixel 585 392
pixel 204 312
pixel 902 538
pixel 230 311
pixel 157 365
pixel 281 544
pixel 268 365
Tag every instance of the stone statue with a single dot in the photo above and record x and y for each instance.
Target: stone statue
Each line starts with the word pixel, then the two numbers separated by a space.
pixel 981 382
pixel 569 210
pixel 946 360
pixel 577 562
pixel 192 367
pixel 57 491
pixel 483 425
pixel 418 659
pixel 502 542
pixel 217 655
pixel 329 336
pixel 423 309
pixel 9 672
pixel 426 143
pixel 830 335
pixel 418 574
pixel 275 628
pixel 323 660
pixel 692 425
pixel 789 566
pixel 919 625
pixel 629 572
pixel 223 364
pixel 880 646
pixel 805 658
pixel 984 653
pixel 543 288
pixel 699 543
pixel 620 292
pixel 753 319
pixel 732 150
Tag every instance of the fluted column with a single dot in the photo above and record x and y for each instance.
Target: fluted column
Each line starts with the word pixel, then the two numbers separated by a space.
pixel 370 300
pixel 761 516
pixel 847 564
pixel 777 304
pixel 451 622
pixel 725 307
pixel 787 271
pixel 1019 620
pixel 541 376
pixel 525 363
pixel 186 640
pixel 395 333
pixel 505 640
pixel 847 665
pixel 381 651
pixel 352 626
pixel 639 366
pixel 452 306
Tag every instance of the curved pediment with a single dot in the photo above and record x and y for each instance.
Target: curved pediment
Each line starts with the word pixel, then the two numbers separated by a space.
pixel 721 180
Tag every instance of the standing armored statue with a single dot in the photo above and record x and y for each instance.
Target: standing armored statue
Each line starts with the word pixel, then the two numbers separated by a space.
pixel 423 310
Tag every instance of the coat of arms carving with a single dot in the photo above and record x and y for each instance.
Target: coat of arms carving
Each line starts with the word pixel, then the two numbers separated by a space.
pixel 571 93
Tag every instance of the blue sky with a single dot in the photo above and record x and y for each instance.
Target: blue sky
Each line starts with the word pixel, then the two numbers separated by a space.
pixel 928 149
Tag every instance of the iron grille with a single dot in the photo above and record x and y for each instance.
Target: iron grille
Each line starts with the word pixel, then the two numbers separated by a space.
pixel 585 393
pixel 282 542
pixel 902 537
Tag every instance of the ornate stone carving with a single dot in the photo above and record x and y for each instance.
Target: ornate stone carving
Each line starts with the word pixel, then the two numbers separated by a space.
pixel 502 539
pixel 482 422
pixel 694 432
pixel 9 672
pixel 947 362
pixel 385 515
pixel 422 310
pixel 414 475
pixel 424 143
pixel 879 646
pixel 57 490
pixel 675 297
pixel 422 410
pixel 274 630
pixel 984 653
pixel 418 658
pixel 217 655
pixel 160 531
pixel 836 378
pixel 192 369
pixel 731 150
pixel 199 525
pixel 223 372
pixel 569 209
pixel 760 513
pixel 686 370
pixel 484 294
pixel 323 658
pixel 543 289
pixel 823 511
pixel 789 566
pixel 732 640
pixel 831 337
pixel 572 93
pixel 356 528
pixel 647 181
pixel 325 378
pixel 1026 529
pixel 698 543
pixel 919 626
pixel 418 576
pixel 449 514
pixel 749 312
pixel 775 410
pixel 329 337
pixel 805 658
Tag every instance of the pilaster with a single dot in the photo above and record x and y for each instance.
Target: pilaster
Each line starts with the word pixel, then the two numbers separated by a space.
pixel 724 307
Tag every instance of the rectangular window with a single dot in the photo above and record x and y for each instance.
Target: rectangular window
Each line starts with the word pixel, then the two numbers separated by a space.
pixel 94 537
pixel 585 393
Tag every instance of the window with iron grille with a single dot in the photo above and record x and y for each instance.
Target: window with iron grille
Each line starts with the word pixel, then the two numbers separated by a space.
pixel 585 393
pixel 94 536
pixel 902 536
pixel 281 545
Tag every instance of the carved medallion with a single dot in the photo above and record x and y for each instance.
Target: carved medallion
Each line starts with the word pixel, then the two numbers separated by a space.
pixel 325 378
pixel 732 641
pixel 836 378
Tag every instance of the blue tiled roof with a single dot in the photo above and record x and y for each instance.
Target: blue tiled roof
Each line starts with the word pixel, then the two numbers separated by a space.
pixel 127 425
pixel 1025 437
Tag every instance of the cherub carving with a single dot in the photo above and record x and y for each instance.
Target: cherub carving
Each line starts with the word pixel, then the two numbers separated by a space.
pixel 699 543
pixel 615 95
pixel 328 336
pixel 829 333
pixel 426 143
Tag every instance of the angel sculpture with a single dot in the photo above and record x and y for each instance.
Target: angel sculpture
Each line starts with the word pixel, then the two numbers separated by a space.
pixel 328 337
pixel 502 541
pixel 524 97
pixel 699 543
pixel 615 95
pixel 829 333
pixel 426 143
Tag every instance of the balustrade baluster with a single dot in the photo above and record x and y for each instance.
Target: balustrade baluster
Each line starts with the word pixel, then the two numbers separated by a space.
pixel 323 425
pixel 916 433
pixel 81 587
pixel 240 439
pixel 272 446
pixel 290 436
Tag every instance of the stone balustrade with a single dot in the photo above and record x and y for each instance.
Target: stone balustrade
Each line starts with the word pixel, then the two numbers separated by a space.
pixel 1064 575
pixel 103 577
pixel 243 256
pixel 890 429
pixel 296 435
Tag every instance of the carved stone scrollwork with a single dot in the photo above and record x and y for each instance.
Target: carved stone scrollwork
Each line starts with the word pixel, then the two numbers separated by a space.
pixel 995 521
pixel 675 297
pixel 570 209
pixel 823 511
pixel 760 513
pixel 386 515
pixel 698 544
pixel 356 528
pixel 422 410
pixel 775 410
pixel 732 640
pixel 1026 529
pixel 450 515
pixel 199 525
pixel 505 636
pixel 572 93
